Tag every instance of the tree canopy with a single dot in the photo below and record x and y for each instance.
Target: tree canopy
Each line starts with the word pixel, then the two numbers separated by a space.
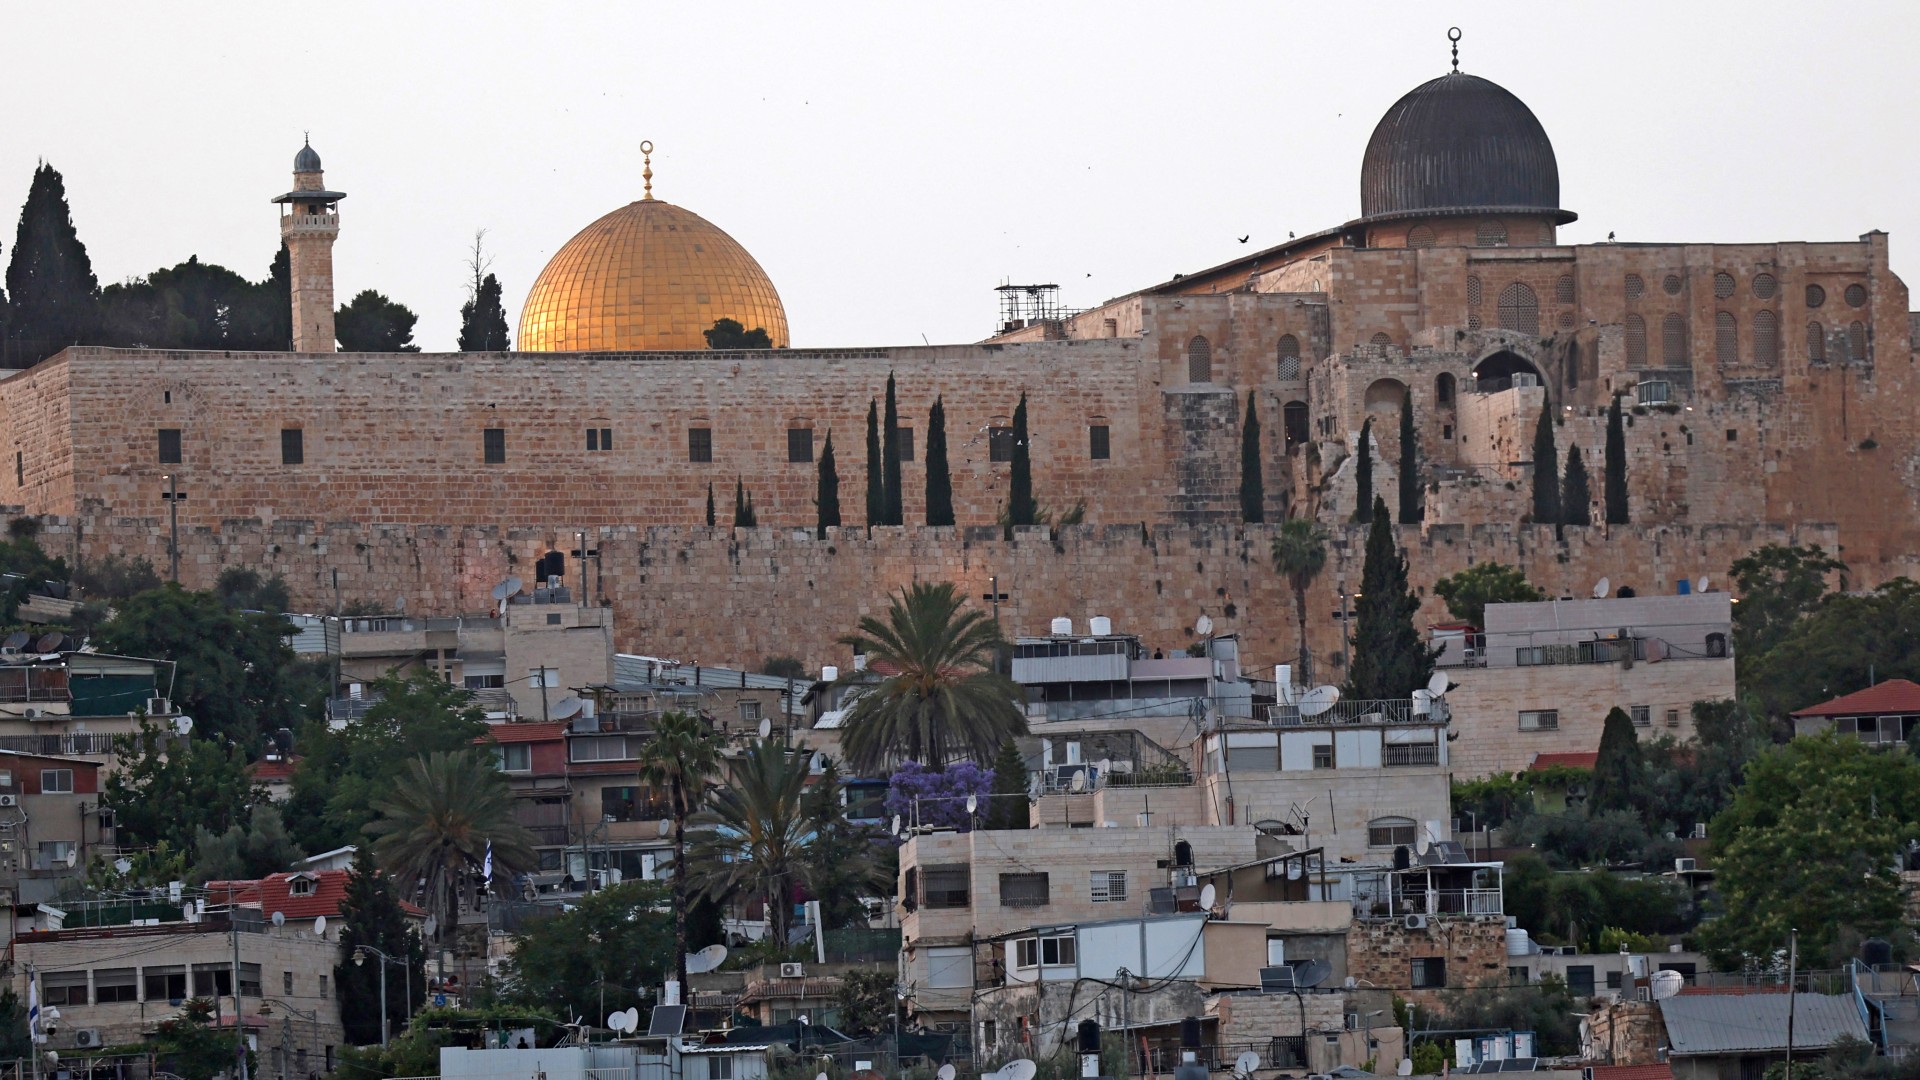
pixel 1468 592
pixel 730 334
pixel 826 498
pixel 1253 486
pixel 1546 470
pixel 168 791
pixel 52 293
pixel 372 916
pixel 1389 659
pixel 1022 507
pixel 939 475
pixel 1779 585
pixel 449 813
pixel 483 319
pixel 197 305
pixel 371 323
pixel 612 943
pixel 1299 553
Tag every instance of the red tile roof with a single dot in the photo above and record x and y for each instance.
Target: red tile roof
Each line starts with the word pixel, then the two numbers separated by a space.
pixel 1572 759
pixel 1661 1071
pixel 275 769
pixel 1895 696
pixel 275 893
pixel 552 731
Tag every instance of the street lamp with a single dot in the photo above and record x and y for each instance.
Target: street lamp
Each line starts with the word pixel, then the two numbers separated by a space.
pixel 286 1031
pixel 360 954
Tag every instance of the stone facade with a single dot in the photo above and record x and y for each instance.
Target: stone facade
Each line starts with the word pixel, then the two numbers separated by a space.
pixel 1473 948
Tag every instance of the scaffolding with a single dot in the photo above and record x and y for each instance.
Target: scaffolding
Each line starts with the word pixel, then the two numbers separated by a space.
pixel 1024 305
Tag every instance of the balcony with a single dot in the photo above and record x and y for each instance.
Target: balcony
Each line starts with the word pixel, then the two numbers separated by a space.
pixel 1361 711
pixel 1396 755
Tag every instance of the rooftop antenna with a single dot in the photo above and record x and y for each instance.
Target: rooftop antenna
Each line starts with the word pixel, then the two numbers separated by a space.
pixel 1453 35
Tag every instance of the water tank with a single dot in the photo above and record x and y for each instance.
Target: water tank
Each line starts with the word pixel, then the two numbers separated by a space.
pixel 1518 943
pixel 1061 627
pixel 1100 626
pixel 829 673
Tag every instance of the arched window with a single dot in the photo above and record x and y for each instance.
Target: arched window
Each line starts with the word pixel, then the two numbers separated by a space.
pixel 1473 291
pixel 1182 853
pixel 1293 421
pixel 1635 286
pixel 1816 343
pixel 1726 338
pixel 1443 388
pixel 1289 357
pixel 1490 234
pixel 1563 289
pixel 1199 359
pixel 1381 339
pixel 1420 236
pixel 1385 396
pixel 1673 342
pixel 1390 831
pixel 1766 338
pixel 1519 309
pixel 1636 341
pixel 1857 342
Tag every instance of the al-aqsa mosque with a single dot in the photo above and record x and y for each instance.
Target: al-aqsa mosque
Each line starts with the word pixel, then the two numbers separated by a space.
pixel 647 276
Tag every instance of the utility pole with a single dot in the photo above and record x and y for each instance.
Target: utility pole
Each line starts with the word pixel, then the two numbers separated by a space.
pixel 173 526
pixel 1793 997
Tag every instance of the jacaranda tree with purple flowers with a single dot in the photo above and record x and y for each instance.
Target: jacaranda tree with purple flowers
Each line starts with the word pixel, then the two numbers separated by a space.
pixel 940 793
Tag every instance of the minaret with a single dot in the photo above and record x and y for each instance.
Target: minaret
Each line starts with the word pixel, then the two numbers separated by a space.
pixel 309 222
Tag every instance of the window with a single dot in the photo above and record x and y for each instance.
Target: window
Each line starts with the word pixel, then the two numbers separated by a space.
pixel 1722 285
pixel 1733 435
pixel 249 980
pixel 989 1033
pixel 300 885
pixel 1473 291
pixel 1490 234
pixel 720 1067
pixel 1289 357
pixel 54 854
pixel 1816 296
pixel 1716 645
pixel 484 682
pixel 1023 890
pixel 903 442
pixel 1726 338
pixel 750 712
pixel 517 757
pixel 1390 832
pixel 1672 284
pixel 1099 442
pixel 1323 756
pixel 1856 295
pixel 1563 289
pixel 1673 342
pixel 1295 422
pixel 799 444
pixel 700 445
pixel 1673 718
pixel 293 450
pixel 63 988
pixel 1613 980
pixel 1857 342
pixel 323 992
pixel 1253 758
pixel 212 979
pixel 1636 341
pixel 1519 309
pixel 629 803
pixel 1420 236
pixel 1382 338
pixel 167 983
pixel 603 748
pixel 19 469
pixel 1636 285
pixel 1539 720
pixel 1766 338
pixel 1045 952
pixel 999 443
pixel 599 439
pixel 1199 359
pixel 946 887
pixel 169 445
pixel 1428 973
pixel 493 446
pixel 1108 886
pixel 1580 979
pixel 1765 285
pixel 56 781
pixel 112 985
pixel 286 983
pixel 1642 715
pixel 1816 342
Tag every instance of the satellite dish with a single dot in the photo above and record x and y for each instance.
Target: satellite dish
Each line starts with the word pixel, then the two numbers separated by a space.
pixel 320 926
pixel 513 585
pixel 568 708
pixel 73 856
pixel 1600 588
pixel 1246 1063
pixel 766 726
pixel 1666 984
pixel 1318 700
pixel 1079 782
pixel 1438 685
pixel 947 1072
pixel 279 918
pixel 665 826
pixel 49 643
pixel 182 725
pixel 1020 1069
pixel 632 1017
pixel 820 1076
pixel 1701 584
pixel 617 1021
pixel 1207 893
pixel 431 926
pixel 707 959
pixel 1311 973
pixel 896 824
pixel 123 864
pixel 1422 844
pixel 973 804
pixel 1203 625
pixel 501 592
pixel 1405 1068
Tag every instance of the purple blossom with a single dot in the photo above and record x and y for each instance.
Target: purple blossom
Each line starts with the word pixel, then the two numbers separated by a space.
pixel 941 794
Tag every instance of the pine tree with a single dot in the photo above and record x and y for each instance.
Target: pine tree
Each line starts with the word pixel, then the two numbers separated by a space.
pixel 1576 498
pixel 1389 660
pixel 1007 805
pixel 50 281
pixel 890 459
pixel 1410 510
pixel 827 499
pixel 1615 466
pixel 876 487
pixel 371 323
pixel 1021 507
pixel 1253 487
pixel 709 504
pixel 373 917
pixel 1546 470
pixel 483 321
pixel 743 515
pixel 939 479
pixel 1363 474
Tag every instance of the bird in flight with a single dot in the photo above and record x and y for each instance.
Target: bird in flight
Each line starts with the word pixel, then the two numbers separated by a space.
pixel 1245 238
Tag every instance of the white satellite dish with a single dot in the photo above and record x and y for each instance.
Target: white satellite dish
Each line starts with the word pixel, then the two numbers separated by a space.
pixel 320 926
pixel 896 824
pixel 632 1017
pixel 973 804
pixel 568 708
pixel 513 585
pixel 1079 782
pixel 1666 984
pixel 1318 700
pixel 123 864
pixel 947 1072
pixel 1020 1069
pixel 617 1021
pixel 182 725
pixel 1207 895
pixel 820 1076
pixel 1246 1063
pixel 1422 843
pixel 1438 685
pixel 1203 625
pixel 1600 588
pixel 279 918
pixel 766 726
pixel 431 926
pixel 1701 584
pixel 1405 1068
pixel 664 827
pixel 501 592
pixel 707 959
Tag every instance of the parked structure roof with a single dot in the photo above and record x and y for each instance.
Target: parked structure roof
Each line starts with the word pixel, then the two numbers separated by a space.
pixel 1744 1023
pixel 1893 697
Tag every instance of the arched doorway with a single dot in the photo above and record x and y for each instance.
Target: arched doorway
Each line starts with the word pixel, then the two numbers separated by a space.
pixel 1293 421
pixel 1504 370
pixel 1385 396
pixel 1443 389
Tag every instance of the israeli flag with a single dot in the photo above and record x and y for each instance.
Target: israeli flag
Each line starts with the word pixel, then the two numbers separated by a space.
pixel 486 867
pixel 33 1007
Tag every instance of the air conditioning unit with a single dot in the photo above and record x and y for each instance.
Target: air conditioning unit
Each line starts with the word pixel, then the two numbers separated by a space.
pixel 32 713
pixel 1415 922
pixel 1523 378
pixel 87 1039
pixel 1683 865
pixel 793 971
pixel 9 800
pixel 159 706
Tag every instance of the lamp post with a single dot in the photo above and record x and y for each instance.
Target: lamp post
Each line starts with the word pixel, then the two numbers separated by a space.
pixel 360 954
pixel 173 525
pixel 286 1032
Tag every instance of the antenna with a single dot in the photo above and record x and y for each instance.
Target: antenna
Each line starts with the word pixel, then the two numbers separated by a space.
pixel 1203 626
pixel 568 708
pixel 1318 700
pixel 1600 588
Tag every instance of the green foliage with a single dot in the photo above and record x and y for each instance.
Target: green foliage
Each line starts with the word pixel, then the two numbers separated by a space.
pixel 22 556
pixel 939 476
pixel 198 305
pixel 890 497
pixel 876 481
pixel 1008 807
pixel 262 847
pixel 243 588
pixel 1253 487
pixel 942 703
pixel 1689 783
pixel 709 504
pixel 1617 772
pixel 1778 587
pixel 50 280
pixel 1411 512
pixel 1846 1058
pixel 1582 907
pixel 1390 660
pixel 189 1046
pixel 115 577
pixel 844 862
pixel 436 826
pixel 612 943
pixel 1615 466
pixel 1496 800
pixel 1545 1008
pixel 168 790
pixel 1299 553
pixel 730 334
pixel 1468 592
pixel 373 917
pixel 1022 508
pixel 483 319
pixel 1430 1057
pixel 1813 840
pixel 785 667
pixel 826 499
pixel 867 1002
pixel 417 1047
pixel 681 759
pixel 744 516
pixel 1363 474
pixel 371 323
pixel 1546 473
pixel 14 1043
pixel 1576 497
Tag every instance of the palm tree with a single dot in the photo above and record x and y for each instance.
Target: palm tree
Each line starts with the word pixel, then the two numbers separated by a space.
pixel 939 701
pixel 679 758
pixel 437 826
pixel 754 834
pixel 1299 554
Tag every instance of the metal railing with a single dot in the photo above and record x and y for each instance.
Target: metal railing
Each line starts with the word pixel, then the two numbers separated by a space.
pixel 1405 754
pixel 1359 711
pixel 79 745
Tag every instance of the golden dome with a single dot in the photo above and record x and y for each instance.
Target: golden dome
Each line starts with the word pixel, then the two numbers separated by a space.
pixel 649 275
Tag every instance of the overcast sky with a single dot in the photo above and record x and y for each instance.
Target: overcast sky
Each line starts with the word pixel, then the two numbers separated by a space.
pixel 889 164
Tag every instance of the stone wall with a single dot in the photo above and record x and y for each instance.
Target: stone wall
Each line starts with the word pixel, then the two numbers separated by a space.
pixel 1381 951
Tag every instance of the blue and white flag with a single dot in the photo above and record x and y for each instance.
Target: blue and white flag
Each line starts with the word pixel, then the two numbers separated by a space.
pixel 486 867
pixel 33 1007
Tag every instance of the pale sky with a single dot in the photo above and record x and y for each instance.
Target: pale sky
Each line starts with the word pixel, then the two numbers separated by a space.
pixel 889 164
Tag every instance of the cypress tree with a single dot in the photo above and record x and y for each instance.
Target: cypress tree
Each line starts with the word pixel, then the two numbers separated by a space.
pixel 1007 806
pixel 1410 509
pixel 1363 474
pixel 1021 507
pixel 876 491
pixel 1253 487
pixel 890 459
pixel 709 504
pixel 372 916
pixel 1576 497
pixel 1389 659
pixel 483 321
pixel 1617 771
pixel 939 478
pixel 1546 470
pixel 1616 465
pixel 827 500
pixel 743 515
pixel 50 281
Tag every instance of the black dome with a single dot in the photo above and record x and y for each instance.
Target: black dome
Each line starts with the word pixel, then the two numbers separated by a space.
pixel 307 160
pixel 1459 144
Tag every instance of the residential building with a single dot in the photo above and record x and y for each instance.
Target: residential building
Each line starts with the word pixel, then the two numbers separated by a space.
pixel 1883 714
pixel 51 823
pixel 56 699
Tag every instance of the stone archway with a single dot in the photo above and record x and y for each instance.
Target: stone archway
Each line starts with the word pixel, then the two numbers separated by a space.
pixel 1497 372
pixel 1385 396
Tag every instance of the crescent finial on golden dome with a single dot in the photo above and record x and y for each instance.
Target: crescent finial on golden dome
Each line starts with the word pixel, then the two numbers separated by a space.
pixel 646 167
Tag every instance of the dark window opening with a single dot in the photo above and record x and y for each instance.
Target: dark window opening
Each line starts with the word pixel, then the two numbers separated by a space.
pixel 1443 388
pixel 700 445
pixel 1099 448
pixel 1199 360
pixel 169 446
pixel 1024 890
pixel 599 439
pixel 293 449
pixel 903 442
pixel 1429 973
pixel 946 887
pixel 493 444
pixel 19 469
pixel 1294 423
pixel 999 444
pixel 799 444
